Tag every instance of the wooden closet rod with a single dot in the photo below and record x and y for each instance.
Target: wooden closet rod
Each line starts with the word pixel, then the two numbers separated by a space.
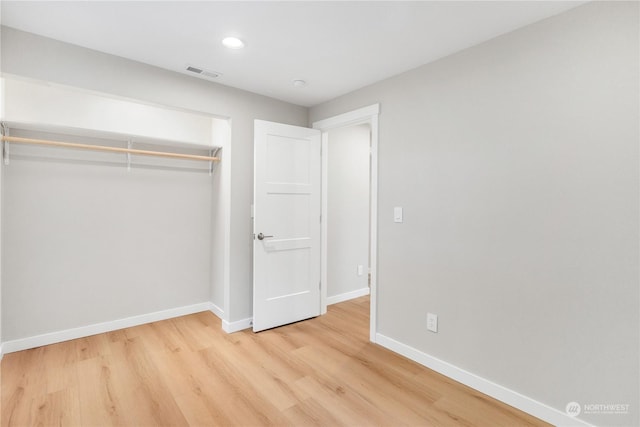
pixel 106 148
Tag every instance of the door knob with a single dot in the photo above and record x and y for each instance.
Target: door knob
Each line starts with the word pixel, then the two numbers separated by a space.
pixel 262 236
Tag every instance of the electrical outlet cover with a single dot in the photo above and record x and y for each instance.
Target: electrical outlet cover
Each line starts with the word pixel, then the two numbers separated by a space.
pixel 432 322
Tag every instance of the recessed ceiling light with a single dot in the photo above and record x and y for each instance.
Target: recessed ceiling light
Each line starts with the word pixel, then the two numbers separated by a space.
pixel 233 43
pixel 299 83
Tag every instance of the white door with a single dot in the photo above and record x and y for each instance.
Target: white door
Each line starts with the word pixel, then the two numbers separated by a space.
pixel 286 244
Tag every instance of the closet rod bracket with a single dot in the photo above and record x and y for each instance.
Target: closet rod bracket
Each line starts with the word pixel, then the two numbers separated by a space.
pixel 5 144
pixel 213 153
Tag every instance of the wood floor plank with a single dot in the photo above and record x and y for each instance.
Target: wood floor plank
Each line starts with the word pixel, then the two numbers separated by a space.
pixel 187 371
pixel 251 399
pixel 60 367
pixel 201 398
pixel 93 346
pixel 310 413
pixel 60 408
pixel 346 405
pixel 142 386
pixel 21 386
pixel 100 401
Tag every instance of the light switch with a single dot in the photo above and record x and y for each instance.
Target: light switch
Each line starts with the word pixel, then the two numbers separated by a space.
pixel 397 214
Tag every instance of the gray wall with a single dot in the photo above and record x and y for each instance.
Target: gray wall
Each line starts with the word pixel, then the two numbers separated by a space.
pixel 348 209
pixel 516 162
pixel 37 57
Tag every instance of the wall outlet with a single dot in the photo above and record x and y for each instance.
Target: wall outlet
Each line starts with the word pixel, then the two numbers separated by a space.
pixel 432 322
pixel 360 269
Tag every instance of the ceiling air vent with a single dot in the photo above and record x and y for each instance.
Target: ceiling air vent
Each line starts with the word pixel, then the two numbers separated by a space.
pixel 203 73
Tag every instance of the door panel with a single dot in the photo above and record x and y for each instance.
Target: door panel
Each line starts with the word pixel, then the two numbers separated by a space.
pixel 286 262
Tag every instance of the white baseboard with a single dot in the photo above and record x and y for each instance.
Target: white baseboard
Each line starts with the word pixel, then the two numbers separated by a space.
pixel 231 327
pixel 347 296
pixel 503 394
pixel 216 310
pixel 98 328
pixel 238 325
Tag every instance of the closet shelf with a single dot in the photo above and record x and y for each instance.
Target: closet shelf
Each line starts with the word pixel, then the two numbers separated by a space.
pixel 20 140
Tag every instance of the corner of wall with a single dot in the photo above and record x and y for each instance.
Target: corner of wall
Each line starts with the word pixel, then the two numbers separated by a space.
pixel 238 325
pixel 219 312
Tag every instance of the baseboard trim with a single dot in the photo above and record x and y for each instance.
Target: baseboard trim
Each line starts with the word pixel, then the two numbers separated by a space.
pixel 98 328
pixel 503 394
pixel 238 325
pixel 348 295
pixel 216 310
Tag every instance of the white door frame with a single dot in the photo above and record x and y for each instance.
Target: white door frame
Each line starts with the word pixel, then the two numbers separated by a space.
pixel 365 115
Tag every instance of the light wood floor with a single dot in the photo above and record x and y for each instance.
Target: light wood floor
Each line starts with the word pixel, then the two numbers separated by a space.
pixel 186 371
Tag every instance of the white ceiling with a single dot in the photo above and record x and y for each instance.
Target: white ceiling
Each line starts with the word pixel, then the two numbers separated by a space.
pixel 336 47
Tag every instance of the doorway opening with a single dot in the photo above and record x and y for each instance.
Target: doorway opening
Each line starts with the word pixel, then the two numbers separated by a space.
pixel 347 180
pixel 349 209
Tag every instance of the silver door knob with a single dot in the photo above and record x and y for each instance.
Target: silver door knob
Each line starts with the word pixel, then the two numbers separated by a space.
pixel 262 236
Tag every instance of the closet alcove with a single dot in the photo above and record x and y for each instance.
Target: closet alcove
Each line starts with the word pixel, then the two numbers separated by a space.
pixel 114 213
